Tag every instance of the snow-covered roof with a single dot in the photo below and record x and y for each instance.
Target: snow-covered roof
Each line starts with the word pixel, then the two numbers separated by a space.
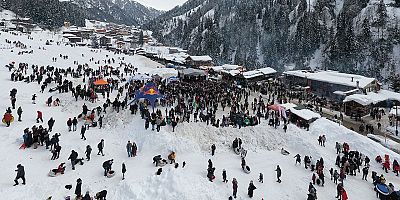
pixel 200 58
pixel 252 74
pixel 346 92
pixel 333 77
pixel 288 106
pixel 267 70
pixel 305 114
pixel 373 97
pixel 69 35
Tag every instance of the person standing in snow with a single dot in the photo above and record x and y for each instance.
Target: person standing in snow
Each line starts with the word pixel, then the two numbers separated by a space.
pixel 134 149
pixel 78 188
pixel 234 187
pixel 365 173
pixel 19 112
pixel 73 156
pixel 50 123
pixel 278 174
pixel 213 149
pixel 323 138
pixel 88 152
pixel 100 146
pixel 100 122
pixel 83 130
pixel 250 189
pixel 74 124
pixel 39 117
pixel 224 176
pixel 34 99
pixel 123 171
pixel 129 148
pixel 20 174
pixel 69 124
pixel 298 159
pixel 261 178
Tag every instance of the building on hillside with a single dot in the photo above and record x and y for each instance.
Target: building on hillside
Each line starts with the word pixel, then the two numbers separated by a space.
pixel 197 61
pixel 74 39
pixel 261 74
pixel 105 41
pixel 332 85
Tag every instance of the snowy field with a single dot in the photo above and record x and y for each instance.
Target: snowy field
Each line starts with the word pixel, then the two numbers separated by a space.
pixel 191 141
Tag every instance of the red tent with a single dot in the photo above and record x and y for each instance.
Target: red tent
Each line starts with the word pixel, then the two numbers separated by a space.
pixel 100 82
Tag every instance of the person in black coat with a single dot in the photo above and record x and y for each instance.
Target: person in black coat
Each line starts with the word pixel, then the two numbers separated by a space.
pixel 20 174
pixel 83 130
pixel 100 146
pixel 123 171
pixel 278 174
pixel 78 188
pixel 251 189
pixel 51 124
pixel 73 156
pixel 213 149
pixel 107 166
pixel 74 123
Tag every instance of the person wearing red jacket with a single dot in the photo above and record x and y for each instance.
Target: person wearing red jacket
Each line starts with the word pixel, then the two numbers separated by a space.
pixel 7 118
pixel 344 195
pixel 39 117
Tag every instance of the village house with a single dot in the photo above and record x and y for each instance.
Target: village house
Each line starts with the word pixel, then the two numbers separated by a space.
pixel 332 85
pixel 197 61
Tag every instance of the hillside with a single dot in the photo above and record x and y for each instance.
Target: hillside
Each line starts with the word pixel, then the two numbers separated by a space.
pixel 351 36
pixel 191 141
pixel 53 13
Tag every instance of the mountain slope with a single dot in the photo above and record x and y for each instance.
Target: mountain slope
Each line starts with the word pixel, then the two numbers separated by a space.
pixel 348 35
pixel 53 13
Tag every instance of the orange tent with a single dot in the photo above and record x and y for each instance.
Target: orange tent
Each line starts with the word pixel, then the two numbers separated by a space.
pixel 100 82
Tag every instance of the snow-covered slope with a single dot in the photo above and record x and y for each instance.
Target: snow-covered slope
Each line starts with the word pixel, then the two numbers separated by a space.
pixel 191 141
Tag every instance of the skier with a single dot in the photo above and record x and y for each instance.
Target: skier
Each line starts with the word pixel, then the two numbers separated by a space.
pixel 129 148
pixel 278 174
pixel 123 171
pixel 298 159
pixel 88 152
pixel 83 130
pixel 19 112
pixel 78 188
pixel 20 174
pixel 251 189
pixel 224 176
pixel 234 187
pixel 213 149
pixel 100 146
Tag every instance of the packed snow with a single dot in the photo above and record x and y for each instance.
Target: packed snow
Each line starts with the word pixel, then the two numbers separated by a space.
pixel 191 142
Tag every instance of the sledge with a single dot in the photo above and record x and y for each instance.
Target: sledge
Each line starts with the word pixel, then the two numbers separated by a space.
pixel 161 163
pixel 247 170
pixel 284 152
pixel 12 119
pixel 382 189
pixel 237 150
pixel 110 174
